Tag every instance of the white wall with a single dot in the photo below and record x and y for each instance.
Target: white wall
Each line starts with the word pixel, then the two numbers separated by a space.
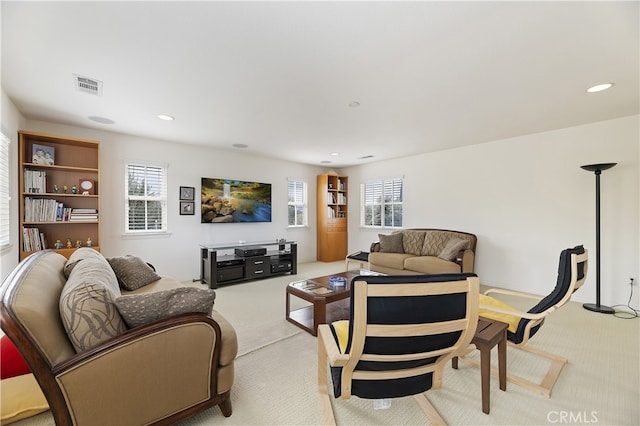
pixel 178 253
pixel 12 120
pixel 526 199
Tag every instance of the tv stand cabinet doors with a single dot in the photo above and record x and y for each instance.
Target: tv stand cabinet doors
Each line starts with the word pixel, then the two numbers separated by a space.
pixel 257 267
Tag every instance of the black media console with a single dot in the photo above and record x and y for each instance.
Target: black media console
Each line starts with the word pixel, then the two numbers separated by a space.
pixel 228 264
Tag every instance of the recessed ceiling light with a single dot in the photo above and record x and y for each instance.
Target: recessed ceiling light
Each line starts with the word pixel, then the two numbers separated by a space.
pixel 354 104
pixel 335 154
pixel 600 87
pixel 101 120
pixel 240 145
pixel 325 162
pixel 165 117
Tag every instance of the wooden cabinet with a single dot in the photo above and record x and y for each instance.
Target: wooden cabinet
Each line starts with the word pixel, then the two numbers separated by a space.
pixel 59 196
pixel 332 217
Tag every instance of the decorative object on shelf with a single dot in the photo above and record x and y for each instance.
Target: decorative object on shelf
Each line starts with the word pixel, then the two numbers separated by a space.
pixel 69 243
pixel 58 244
pixel 87 187
pixel 43 155
pixel 89 242
pixel 65 188
pixel 187 207
pixel 597 169
pixel 56 189
pixel 74 189
pixel 187 193
pixel 78 244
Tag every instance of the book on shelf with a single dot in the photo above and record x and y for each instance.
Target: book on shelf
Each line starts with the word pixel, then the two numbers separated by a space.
pixel 35 181
pixel 79 215
pixel 330 212
pixel 49 210
pixel 33 239
pixel 83 218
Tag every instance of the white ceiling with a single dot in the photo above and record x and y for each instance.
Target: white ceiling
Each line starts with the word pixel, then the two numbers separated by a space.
pixel 279 76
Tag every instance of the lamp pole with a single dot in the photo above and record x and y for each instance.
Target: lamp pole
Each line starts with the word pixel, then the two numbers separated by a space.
pixel 597 169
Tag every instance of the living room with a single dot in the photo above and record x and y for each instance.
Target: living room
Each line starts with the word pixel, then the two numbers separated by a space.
pixel 523 195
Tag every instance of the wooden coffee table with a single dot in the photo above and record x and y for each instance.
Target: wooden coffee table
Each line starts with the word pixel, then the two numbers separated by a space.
pixel 328 303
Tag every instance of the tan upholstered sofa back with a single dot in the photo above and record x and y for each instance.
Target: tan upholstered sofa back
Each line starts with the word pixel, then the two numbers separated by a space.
pixel 35 303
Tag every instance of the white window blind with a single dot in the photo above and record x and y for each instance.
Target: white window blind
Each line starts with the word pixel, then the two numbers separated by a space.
pixel 146 198
pixel 297 205
pixel 382 203
pixel 5 198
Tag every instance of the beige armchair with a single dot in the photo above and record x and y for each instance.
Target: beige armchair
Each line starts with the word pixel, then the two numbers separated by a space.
pixel 152 374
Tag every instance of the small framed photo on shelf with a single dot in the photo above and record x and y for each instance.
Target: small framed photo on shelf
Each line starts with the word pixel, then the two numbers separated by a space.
pixel 187 193
pixel 43 155
pixel 187 207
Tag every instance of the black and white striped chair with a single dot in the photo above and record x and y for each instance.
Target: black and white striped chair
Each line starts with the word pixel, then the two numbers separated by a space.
pixel 401 333
pixel 572 273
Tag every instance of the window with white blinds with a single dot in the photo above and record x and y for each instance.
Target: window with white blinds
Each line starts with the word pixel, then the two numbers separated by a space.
pixel 381 203
pixel 146 202
pixel 5 197
pixel 297 205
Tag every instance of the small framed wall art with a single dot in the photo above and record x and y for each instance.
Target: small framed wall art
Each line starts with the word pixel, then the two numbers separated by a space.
pixel 43 155
pixel 187 207
pixel 187 193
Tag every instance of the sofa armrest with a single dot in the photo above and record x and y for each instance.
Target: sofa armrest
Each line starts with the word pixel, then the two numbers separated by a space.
pixel 375 246
pixel 466 260
pixel 149 372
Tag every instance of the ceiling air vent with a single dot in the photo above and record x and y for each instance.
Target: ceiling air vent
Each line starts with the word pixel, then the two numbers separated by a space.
pixel 88 85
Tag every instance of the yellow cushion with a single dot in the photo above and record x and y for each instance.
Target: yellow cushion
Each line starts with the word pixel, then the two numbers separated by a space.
pixel 512 320
pixel 21 398
pixel 342 332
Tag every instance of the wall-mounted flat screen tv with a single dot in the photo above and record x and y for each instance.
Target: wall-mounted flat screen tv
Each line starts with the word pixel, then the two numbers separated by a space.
pixel 228 201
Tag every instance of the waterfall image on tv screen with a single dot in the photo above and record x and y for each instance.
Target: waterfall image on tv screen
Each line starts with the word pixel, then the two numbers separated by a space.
pixel 227 200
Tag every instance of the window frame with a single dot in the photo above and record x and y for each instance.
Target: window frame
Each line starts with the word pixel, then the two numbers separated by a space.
pixel 304 202
pixel 379 186
pixel 5 191
pixel 161 198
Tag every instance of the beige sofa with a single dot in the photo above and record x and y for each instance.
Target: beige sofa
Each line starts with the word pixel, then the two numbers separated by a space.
pixel 155 373
pixel 423 251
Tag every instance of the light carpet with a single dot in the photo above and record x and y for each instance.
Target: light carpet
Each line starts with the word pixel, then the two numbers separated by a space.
pixel 275 382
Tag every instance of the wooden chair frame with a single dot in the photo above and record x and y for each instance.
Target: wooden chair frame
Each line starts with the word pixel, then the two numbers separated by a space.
pixel 545 386
pixel 329 353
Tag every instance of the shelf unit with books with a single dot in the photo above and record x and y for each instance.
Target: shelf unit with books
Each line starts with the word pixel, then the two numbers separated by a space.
pixel 332 202
pixel 59 196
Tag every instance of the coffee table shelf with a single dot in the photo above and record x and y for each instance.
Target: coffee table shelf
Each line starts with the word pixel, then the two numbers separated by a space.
pixel 303 317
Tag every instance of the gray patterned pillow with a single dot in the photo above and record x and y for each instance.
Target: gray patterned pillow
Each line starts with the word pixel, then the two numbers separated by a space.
pixel 412 241
pixel 87 307
pixel 132 272
pixel 454 245
pixel 143 308
pixel 391 243
pixel 77 256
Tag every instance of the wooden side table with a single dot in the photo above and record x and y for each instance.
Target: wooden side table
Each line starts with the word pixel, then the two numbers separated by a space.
pixel 488 334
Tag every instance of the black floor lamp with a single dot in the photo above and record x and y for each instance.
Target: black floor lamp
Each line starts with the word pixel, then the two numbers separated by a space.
pixel 597 169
